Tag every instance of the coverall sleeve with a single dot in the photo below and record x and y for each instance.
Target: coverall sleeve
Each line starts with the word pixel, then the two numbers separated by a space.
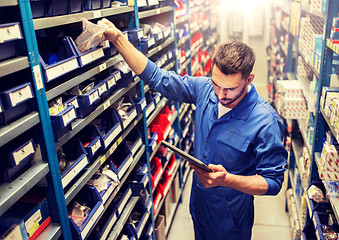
pixel 170 84
pixel 271 156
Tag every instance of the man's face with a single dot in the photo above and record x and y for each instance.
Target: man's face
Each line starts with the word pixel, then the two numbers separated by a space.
pixel 229 89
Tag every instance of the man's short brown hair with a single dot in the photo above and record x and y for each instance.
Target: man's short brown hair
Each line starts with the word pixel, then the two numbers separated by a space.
pixel 234 57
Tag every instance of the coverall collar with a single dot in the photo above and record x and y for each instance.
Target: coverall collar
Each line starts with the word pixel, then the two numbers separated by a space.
pixel 245 106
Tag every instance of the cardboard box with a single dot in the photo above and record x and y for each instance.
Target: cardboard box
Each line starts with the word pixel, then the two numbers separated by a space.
pixel 160 233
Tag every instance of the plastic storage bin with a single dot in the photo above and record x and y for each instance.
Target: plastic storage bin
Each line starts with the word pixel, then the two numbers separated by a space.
pixel 15 102
pixel 13 32
pixel 15 158
pixel 57 57
pixel 162 126
pixel 87 56
pixel 13 227
pixel 87 102
pixel 76 6
pixel 105 223
pixel 156 171
pixel 122 198
pixel 134 141
pixel 152 142
pixel 140 222
pixel 74 152
pixel 150 104
pixel 90 139
pixel 91 198
pixel 108 126
pixel 122 159
pixel 128 117
pixel 105 194
pixel 31 209
pixel 58 7
pixel 61 122
pixel 140 104
pixel 39 8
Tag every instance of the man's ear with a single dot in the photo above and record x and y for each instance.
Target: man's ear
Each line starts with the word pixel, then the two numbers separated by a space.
pixel 250 79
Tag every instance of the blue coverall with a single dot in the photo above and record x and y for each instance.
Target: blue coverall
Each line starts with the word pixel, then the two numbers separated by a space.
pixel 246 141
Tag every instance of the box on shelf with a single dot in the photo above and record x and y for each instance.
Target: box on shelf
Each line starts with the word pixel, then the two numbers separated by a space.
pixel 58 7
pixel 89 56
pixel 126 74
pixel 165 183
pixel 121 159
pixel 15 102
pixel 108 126
pixel 140 216
pixel 73 158
pixel 121 199
pixel 109 49
pixel 161 126
pixel 105 224
pixel 157 197
pixel 90 139
pixel 89 196
pixel 61 122
pixel 76 6
pixel 12 228
pixel 126 110
pixel 150 106
pixel 156 171
pixel 33 210
pixel 140 104
pixel 160 228
pixel 152 142
pixel 16 158
pixel 39 8
pixel 57 57
pixel 12 30
pixel 134 141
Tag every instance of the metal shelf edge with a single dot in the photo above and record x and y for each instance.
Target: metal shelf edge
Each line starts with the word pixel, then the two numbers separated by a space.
pixel 9 132
pixel 13 65
pixel 150 13
pixel 11 192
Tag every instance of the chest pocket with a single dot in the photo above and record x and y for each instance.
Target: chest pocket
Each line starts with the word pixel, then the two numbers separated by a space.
pixel 234 140
pixel 232 151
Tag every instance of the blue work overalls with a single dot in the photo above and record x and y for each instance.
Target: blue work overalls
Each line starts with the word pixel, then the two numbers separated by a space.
pixel 246 141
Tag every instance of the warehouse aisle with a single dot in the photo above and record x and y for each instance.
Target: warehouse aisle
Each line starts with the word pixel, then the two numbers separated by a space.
pixel 270 220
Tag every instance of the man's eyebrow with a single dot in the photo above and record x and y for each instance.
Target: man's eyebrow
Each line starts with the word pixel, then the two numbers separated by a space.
pixel 222 87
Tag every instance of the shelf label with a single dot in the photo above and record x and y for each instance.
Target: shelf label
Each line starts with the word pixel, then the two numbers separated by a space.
pixel 59 70
pixel 20 95
pixel 38 77
pixel 74 103
pixel 10 33
pixel 96 146
pixel 14 233
pixel 68 117
pixel 97 14
pixel 102 89
pixel 107 104
pixel 117 76
pixel 111 82
pixel 76 169
pixel 136 147
pixel 24 152
pixel 92 56
pixel 119 140
pixel 102 67
pixel 102 160
pixel 93 97
pixel 32 224
pixel 111 136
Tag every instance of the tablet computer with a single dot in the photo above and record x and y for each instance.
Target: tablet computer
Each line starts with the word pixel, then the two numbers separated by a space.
pixel 186 156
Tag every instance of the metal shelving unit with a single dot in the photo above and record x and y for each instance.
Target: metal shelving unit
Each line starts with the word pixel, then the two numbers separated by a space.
pixel 42 23
pixel 11 192
pixel 153 12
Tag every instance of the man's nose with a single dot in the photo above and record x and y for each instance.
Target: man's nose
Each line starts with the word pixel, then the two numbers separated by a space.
pixel 222 93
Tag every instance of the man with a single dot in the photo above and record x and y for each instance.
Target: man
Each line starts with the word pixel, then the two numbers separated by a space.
pixel 238 135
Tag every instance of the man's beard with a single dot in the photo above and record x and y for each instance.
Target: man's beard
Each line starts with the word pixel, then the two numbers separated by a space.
pixel 234 99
